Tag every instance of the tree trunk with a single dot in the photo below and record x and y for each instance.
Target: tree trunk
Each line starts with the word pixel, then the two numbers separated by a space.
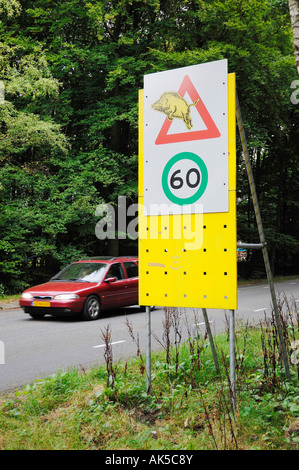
pixel 294 12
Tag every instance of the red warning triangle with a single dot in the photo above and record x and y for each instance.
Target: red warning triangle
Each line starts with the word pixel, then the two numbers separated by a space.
pixel 211 130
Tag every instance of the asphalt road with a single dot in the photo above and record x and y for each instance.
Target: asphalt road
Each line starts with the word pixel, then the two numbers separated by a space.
pixel 32 349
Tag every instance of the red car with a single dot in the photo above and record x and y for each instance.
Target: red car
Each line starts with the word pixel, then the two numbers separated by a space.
pixel 85 287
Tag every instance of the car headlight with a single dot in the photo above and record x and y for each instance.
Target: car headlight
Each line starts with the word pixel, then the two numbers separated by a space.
pixel 66 296
pixel 27 295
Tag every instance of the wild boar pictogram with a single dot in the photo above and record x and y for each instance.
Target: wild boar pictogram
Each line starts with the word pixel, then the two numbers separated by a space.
pixel 174 106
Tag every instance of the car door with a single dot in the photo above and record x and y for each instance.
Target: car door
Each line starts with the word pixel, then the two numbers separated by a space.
pixel 115 294
pixel 131 269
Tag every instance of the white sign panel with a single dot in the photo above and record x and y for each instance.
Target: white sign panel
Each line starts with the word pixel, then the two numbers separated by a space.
pixel 186 140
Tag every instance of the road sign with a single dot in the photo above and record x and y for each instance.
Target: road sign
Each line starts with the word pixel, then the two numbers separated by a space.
pixel 184 170
pixel 211 130
pixel 187 259
pixel 186 140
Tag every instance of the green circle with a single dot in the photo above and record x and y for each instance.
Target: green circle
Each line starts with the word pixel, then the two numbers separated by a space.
pixel 204 178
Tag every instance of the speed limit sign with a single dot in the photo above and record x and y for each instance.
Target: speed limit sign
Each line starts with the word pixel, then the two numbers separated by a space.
pixel 187 188
pixel 186 140
pixel 184 178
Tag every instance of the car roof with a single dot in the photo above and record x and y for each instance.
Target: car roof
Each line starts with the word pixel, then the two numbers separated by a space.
pixel 107 258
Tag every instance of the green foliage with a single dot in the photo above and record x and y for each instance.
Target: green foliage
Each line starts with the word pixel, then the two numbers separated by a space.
pixel 69 123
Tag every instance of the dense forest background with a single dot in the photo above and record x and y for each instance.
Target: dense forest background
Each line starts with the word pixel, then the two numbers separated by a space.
pixel 71 71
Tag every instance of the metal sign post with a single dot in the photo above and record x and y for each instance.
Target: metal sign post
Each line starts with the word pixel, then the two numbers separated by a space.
pixel 232 357
pixel 208 328
pixel 262 236
pixel 148 350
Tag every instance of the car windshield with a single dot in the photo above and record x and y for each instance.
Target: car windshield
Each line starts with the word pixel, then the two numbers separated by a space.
pixel 82 272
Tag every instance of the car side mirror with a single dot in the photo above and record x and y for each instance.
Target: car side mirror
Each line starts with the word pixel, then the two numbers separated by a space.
pixel 110 279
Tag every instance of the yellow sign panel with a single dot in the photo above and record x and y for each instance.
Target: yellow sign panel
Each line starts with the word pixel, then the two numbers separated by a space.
pixel 190 260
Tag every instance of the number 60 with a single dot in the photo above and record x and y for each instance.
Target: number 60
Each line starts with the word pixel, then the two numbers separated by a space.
pixel 176 182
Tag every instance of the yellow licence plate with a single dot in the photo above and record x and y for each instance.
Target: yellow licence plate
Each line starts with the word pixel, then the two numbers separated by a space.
pixel 37 303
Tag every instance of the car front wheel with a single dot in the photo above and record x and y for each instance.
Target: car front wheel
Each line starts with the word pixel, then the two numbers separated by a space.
pixel 92 308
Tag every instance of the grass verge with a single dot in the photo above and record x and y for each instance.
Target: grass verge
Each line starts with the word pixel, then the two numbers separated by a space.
pixel 190 407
